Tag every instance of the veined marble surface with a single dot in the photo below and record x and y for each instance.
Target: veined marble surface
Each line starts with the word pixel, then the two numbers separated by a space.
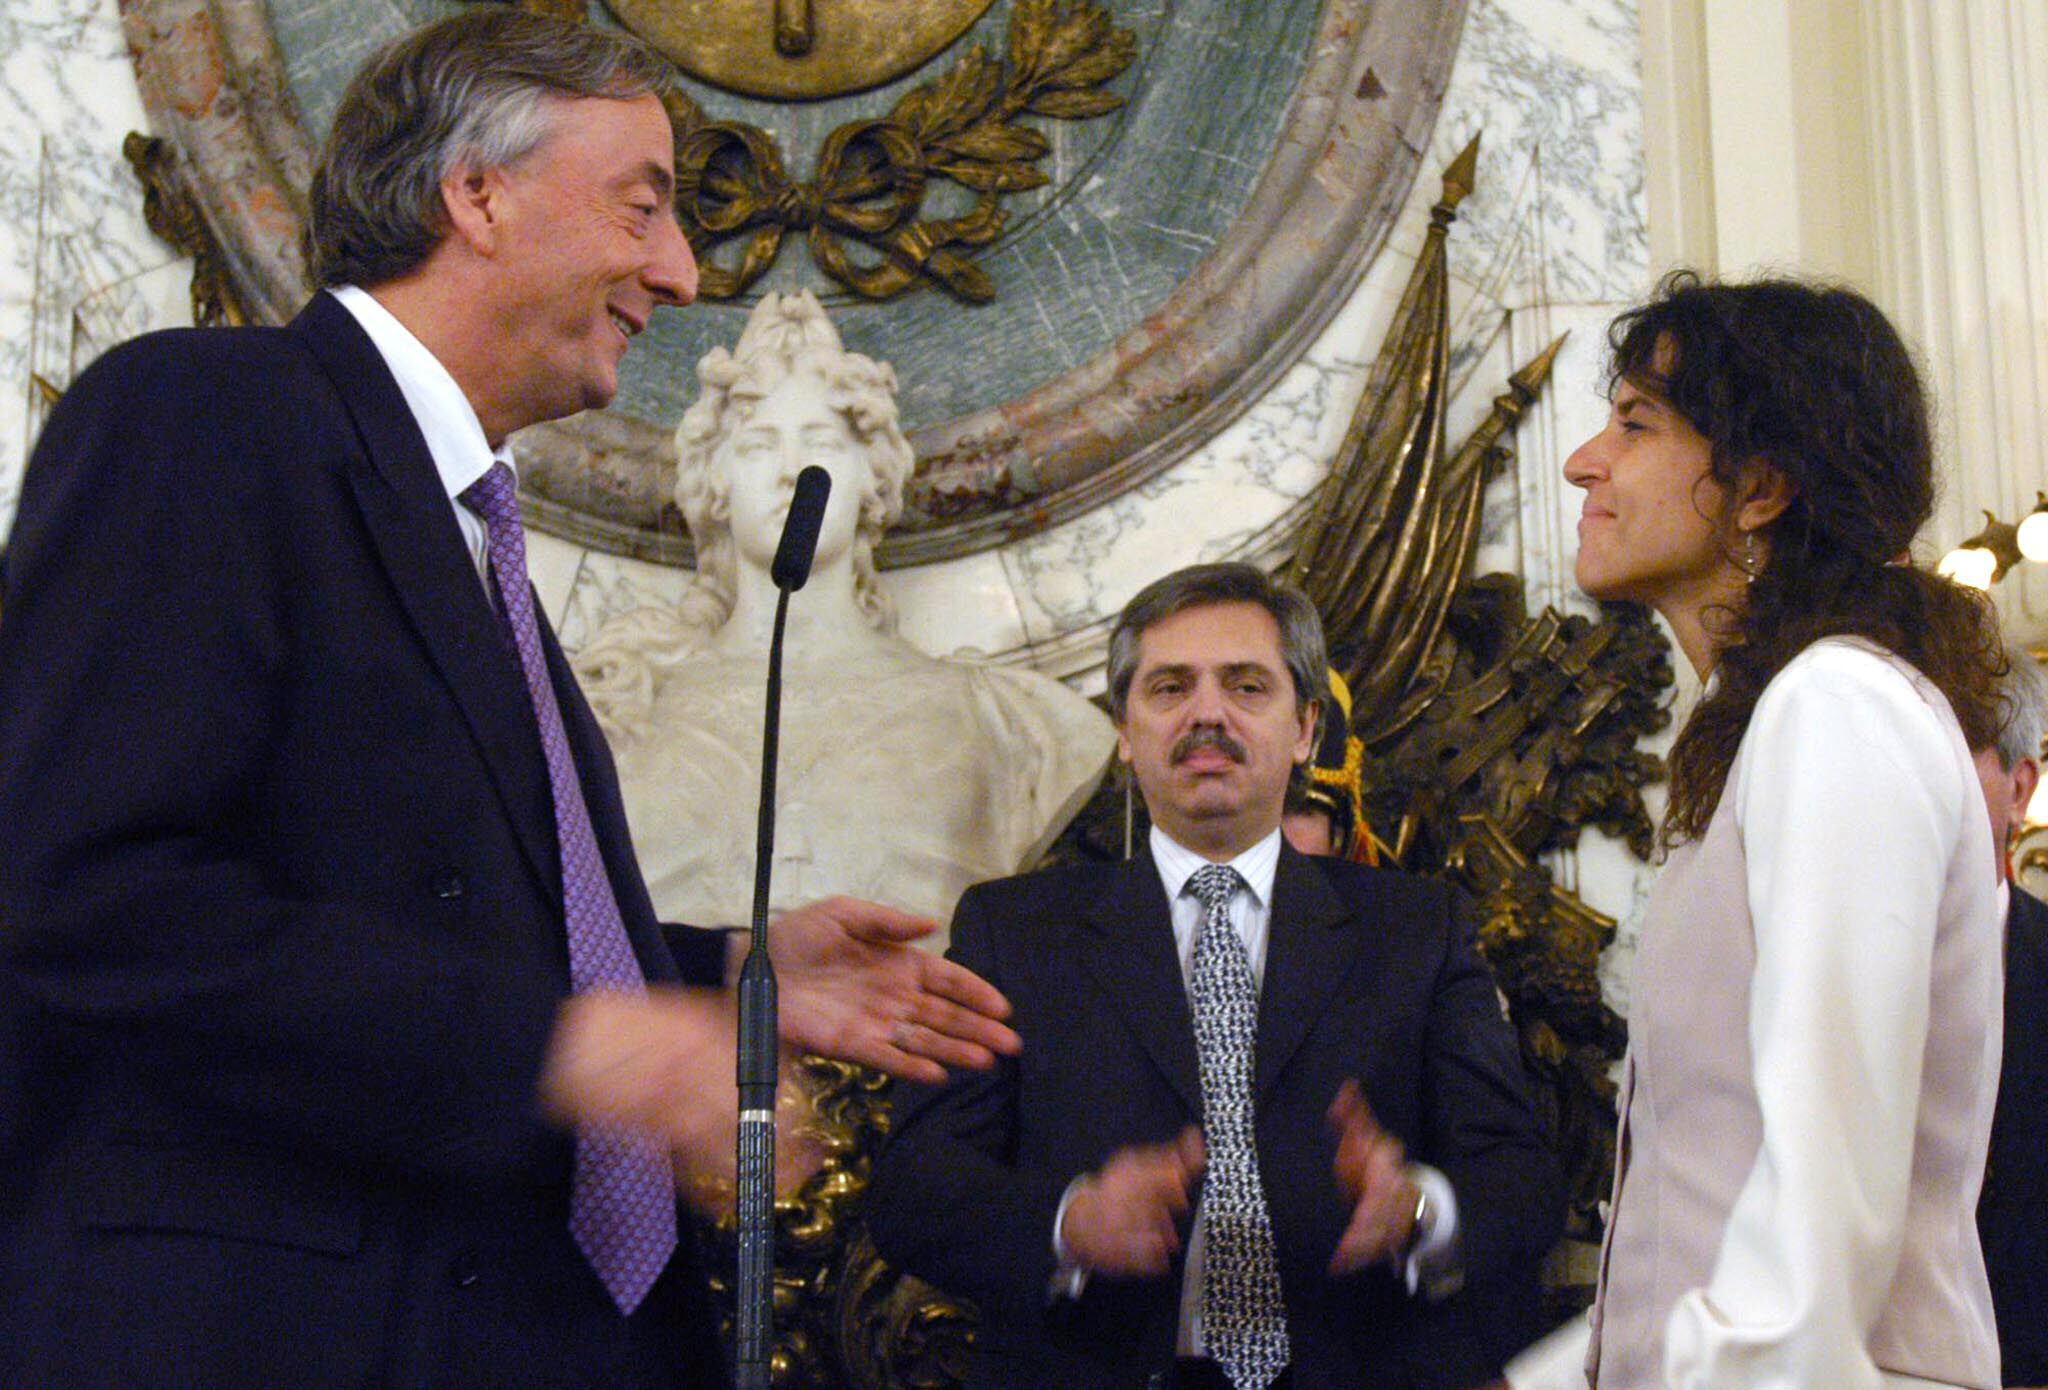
pixel 1553 238
pixel 79 271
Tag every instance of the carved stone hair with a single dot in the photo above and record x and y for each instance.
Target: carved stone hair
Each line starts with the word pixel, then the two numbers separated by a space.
pixel 787 334
pixel 475 91
pixel 1197 586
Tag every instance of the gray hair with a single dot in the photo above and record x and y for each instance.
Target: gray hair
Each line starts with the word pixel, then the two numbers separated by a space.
pixel 1197 586
pixel 473 91
pixel 2023 696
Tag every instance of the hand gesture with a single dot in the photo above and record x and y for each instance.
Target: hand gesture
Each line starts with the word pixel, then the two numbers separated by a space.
pixel 1123 1218
pixel 852 986
pixel 661 1063
pixel 1372 1171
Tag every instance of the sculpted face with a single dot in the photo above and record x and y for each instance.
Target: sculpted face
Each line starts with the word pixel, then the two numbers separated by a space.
pixel 795 424
pixel 1211 730
pixel 587 246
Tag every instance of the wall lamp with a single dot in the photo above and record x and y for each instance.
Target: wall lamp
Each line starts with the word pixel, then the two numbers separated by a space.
pixel 1984 558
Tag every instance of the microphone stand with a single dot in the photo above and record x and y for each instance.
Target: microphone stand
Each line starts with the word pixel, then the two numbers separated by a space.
pixel 757 1066
pixel 758 1024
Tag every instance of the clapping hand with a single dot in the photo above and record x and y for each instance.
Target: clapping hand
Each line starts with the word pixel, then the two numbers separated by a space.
pixel 1124 1218
pixel 1372 1171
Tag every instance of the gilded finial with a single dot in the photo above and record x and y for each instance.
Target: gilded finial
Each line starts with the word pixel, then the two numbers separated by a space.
pixel 1463 174
pixel 1529 380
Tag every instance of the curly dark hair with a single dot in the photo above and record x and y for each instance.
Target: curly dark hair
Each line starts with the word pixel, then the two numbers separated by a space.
pixel 1814 382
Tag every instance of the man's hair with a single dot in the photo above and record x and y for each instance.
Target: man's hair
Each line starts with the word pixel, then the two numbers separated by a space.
pixel 472 91
pixel 1198 586
pixel 2023 696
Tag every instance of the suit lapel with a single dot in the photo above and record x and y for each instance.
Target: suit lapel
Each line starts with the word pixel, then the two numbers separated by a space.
pixel 1125 943
pixel 411 524
pixel 1312 944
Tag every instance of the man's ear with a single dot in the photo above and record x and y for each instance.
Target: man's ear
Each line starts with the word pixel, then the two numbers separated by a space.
pixel 2026 775
pixel 1305 744
pixel 474 201
pixel 1762 496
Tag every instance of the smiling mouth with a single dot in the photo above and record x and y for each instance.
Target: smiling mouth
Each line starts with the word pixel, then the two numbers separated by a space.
pixel 628 329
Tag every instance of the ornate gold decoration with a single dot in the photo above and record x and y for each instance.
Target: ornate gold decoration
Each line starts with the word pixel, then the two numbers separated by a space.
pixel 1490 737
pixel 1533 738
pixel 872 175
pixel 170 211
pixel 798 50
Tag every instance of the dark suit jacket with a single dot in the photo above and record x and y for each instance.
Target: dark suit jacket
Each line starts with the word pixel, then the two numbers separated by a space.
pixel 2012 1216
pixel 280 902
pixel 1369 975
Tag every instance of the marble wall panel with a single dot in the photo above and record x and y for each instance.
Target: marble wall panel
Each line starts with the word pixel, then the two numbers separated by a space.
pixel 79 271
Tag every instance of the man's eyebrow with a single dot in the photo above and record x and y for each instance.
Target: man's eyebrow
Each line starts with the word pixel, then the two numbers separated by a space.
pixel 1178 669
pixel 649 172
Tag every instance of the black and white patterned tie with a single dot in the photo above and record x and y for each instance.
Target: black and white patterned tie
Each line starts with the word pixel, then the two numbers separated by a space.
pixel 1244 1321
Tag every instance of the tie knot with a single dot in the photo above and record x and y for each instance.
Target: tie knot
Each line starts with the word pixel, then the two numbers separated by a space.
pixel 1212 885
pixel 494 497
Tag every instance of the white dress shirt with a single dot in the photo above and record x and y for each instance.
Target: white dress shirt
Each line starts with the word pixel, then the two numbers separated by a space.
pixel 1251 915
pixel 455 437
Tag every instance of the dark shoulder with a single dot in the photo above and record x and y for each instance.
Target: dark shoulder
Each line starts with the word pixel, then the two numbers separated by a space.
pixel 1386 888
pixel 1042 892
pixel 209 357
pixel 2027 922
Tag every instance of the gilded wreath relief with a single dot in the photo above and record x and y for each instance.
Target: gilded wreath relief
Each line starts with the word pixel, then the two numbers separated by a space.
pixel 864 209
pixel 905 777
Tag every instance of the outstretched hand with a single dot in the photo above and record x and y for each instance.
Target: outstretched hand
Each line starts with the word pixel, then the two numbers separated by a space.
pixel 1372 1171
pixel 853 986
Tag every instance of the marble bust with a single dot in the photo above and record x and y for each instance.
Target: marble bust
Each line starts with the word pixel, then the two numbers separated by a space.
pixel 903 777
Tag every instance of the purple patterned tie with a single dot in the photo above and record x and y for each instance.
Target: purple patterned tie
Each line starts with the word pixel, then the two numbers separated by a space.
pixel 622 1206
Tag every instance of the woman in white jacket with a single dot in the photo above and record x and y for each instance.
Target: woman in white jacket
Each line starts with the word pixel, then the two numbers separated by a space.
pixel 1815 1033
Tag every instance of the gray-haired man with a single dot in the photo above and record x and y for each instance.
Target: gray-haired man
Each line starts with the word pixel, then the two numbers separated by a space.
pixel 360 1056
pixel 2012 1215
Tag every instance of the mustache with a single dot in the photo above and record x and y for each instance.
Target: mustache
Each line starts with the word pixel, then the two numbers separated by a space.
pixel 1198 739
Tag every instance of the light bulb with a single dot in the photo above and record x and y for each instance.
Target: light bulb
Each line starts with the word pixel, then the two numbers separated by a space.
pixel 1969 565
pixel 2033 536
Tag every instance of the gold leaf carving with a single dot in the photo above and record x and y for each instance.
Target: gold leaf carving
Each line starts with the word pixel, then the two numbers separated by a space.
pixel 862 215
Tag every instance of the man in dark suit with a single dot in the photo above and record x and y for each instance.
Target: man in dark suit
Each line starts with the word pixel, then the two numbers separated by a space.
pixel 359 1055
pixel 1198 1171
pixel 2012 1214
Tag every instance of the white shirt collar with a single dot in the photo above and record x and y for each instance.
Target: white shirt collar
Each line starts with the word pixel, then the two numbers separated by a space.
pixel 454 435
pixel 1256 866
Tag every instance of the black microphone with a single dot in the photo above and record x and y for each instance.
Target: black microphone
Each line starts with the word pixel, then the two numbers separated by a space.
pixel 799 542
pixel 759 1008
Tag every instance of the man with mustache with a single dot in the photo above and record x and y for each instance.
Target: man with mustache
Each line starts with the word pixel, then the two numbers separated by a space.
pixel 1267 1115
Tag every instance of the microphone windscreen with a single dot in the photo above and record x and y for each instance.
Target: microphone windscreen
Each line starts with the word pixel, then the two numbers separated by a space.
pixel 799 542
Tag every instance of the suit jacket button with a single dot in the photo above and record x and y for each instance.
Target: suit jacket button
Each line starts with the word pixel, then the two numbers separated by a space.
pixel 465 1270
pixel 448 885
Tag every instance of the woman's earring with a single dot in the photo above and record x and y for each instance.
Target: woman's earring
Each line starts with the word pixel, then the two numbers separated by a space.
pixel 1751 564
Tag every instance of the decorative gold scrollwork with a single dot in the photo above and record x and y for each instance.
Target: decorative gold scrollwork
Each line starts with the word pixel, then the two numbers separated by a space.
pixel 873 175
